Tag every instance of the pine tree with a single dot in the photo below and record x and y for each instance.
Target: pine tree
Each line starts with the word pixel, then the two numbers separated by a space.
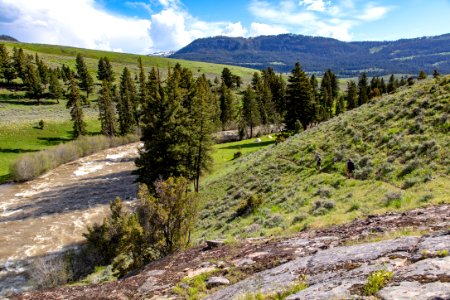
pixel 55 89
pixel 422 75
pixel 43 70
pixel 299 99
pixel 201 129
pixel 352 95
pixel 435 74
pixel 227 78
pixel 391 86
pixel 105 71
pixel 7 70
pixel 76 112
pixel 362 89
pixel 126 104
pixel 20 63
pixel 226 106
pixel 86 82
pixel 106 110
pixel 33 83
pixel 340 105
pixel 165 138
pixel 142 83
pixel 250 110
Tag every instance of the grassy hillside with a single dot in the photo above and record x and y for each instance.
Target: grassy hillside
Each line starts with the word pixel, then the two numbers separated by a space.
pixel 56 55
pixel 399 143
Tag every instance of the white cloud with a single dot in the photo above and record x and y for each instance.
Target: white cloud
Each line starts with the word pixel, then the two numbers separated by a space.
pixel 77 23
pixel 257 29
pixel 234 30
pixel 316 5
pixel 373 12
pixel 317 17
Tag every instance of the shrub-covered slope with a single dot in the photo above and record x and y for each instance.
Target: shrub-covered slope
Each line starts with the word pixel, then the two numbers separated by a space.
pixel 400 144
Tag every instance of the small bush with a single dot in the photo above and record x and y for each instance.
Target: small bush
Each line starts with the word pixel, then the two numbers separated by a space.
pixel 410 182
pixel 410 167
pixel 274 221
pixel 426 198
pixel 299 218
pixel 249 206
pixel 236 155
pixel 353 207
pixel 376 281
pixel 393 198
pixel 322 206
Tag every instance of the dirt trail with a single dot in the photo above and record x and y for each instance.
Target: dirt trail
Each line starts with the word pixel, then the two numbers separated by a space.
pixel 51 212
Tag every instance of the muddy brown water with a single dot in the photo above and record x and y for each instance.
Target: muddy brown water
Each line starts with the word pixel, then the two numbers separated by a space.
pixel 50 213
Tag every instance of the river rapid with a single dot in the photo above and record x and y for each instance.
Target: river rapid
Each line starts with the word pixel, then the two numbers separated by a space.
pixel 49 214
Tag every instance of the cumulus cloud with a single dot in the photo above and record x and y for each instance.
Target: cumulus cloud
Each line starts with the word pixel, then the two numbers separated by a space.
pixel 257 29
pixel 316 5
pixel 318 17
pixel 77 23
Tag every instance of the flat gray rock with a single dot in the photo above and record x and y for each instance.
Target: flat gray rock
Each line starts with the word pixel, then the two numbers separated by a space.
pixel 414 290
pixel 216 281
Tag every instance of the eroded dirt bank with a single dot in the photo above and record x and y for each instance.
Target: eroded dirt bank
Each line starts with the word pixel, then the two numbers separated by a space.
pixel 336 262
pixel 51 213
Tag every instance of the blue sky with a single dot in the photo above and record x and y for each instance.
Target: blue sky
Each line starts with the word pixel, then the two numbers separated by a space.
pixel 145 26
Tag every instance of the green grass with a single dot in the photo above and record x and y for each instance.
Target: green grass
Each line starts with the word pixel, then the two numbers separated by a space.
pixel 376 281
pixel 401 149
pixel 26 137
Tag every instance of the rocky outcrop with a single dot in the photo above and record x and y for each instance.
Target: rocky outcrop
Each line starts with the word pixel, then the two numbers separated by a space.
pixel 342 272
pixel 333 262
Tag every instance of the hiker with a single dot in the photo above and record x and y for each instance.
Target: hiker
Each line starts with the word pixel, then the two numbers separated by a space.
pixel 350 168
pixel 318 161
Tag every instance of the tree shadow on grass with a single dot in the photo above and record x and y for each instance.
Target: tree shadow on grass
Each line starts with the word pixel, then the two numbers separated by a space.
pixel 11 150
pixel 51 141
pixel 250 145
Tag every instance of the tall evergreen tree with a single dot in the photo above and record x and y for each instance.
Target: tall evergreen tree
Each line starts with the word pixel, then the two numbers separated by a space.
pixel 7 70
pixel 33 82
pixel 226 106
pixel 106 110
pixel 86 82
pixel 201 129
pixel 352 95
pixel 340 105
pixel 299 99
pixel 227 78
pixel 165 138
pixel 44 72
pixel 55 89
pixel 392 85
pixel 76 112
pixel 105 71
pixel 20 63
pixel 126 104
pixel 363 96
pixel 250 110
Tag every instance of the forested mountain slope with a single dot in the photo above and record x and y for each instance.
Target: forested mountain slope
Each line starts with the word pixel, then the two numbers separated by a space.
pixel 316 54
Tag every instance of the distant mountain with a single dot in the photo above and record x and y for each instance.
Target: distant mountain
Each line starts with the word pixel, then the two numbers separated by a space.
pixel 316 54
pixel 162 53
pixel 7 38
